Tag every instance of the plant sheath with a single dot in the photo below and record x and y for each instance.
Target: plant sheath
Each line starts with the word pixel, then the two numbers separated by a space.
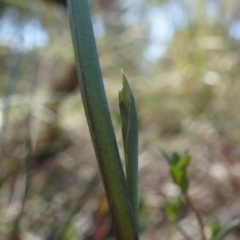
pixel 99 120
pixel 130 141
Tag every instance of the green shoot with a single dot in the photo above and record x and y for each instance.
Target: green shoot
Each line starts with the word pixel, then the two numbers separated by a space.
pixel 178 170
pixel 99 120
pixel 130 140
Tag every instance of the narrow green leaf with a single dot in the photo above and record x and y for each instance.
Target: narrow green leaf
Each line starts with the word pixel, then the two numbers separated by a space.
pixel 184 184
pixel 165 155
pixel 215 229
pixel 184 162
pixel 69 233
pixel 175 159
pixel 130 141
pixel 99 120
pixel 177 175
pixel 180 178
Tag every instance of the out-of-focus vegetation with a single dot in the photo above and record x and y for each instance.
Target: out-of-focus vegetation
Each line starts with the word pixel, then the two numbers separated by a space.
pixel 182 58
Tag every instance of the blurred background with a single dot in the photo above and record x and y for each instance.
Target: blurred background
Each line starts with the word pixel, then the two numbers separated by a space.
pixel 182 60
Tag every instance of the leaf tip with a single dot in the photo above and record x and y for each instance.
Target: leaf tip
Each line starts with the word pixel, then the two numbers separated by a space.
pixel 124 79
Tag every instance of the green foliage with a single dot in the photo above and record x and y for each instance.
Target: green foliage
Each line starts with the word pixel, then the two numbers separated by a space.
pixel 69 233
pixel 178 169
pixel 130 141
pixel 99 120
pixel 173 208
pixel 215 229
pixel 188 93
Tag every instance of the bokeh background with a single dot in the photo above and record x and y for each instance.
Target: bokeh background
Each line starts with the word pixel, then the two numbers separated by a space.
pixel 182 59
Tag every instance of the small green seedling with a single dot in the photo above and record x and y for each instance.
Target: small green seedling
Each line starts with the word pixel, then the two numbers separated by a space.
pixel 178 169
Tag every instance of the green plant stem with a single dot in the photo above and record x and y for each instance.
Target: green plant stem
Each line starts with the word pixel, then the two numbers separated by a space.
pixel 99 120
pixel 197 215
